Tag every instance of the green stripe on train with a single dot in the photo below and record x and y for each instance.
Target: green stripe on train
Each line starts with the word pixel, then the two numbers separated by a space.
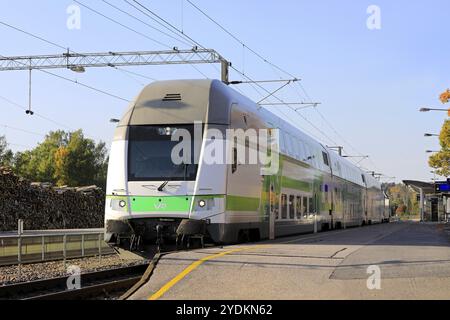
pixel 236 203
pixel 161 204
pixel 295 184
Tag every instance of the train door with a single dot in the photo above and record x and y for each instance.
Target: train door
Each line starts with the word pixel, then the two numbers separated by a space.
pixel 272 212
pixel 434 210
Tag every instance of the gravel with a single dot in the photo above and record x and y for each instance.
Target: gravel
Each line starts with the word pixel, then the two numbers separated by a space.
pixel 47 270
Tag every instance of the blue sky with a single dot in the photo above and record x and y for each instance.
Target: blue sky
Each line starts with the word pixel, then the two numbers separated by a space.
pixel 370 82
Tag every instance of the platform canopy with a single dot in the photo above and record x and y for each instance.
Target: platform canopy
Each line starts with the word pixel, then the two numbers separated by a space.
pixel 427 187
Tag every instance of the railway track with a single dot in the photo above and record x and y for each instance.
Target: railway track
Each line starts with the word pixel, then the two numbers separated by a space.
pixel 94 285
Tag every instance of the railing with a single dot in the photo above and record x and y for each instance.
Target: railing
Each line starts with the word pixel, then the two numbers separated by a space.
pixel 47 245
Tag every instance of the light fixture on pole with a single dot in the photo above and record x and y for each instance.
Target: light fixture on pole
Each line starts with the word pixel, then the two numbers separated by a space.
pixel 364 157
pixel 77 69
pixel 338 148
pixel 434 109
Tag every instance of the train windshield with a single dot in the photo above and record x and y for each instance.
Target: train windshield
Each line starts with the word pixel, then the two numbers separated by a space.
pixel 150 154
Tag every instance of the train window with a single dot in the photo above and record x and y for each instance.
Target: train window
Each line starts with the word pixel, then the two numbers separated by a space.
pixel 325 159
pixel 305 207
pixel 282 142
pixel 311 208
pixel 234 164
pixel 301 149
pixel 298 206
pixel 290 145
pixel 283 206
pixel 292 207
pixel 150 153
pixel 363 178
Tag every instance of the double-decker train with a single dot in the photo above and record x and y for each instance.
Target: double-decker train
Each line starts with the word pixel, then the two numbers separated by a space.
pixel 151 197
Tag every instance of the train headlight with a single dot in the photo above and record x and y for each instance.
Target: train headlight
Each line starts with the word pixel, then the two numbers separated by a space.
pixel 119 204
pixel 201 203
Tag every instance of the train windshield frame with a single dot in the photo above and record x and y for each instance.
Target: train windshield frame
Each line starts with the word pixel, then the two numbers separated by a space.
pixel 150 150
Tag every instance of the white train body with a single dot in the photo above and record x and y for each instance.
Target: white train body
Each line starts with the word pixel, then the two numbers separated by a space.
pixel 312 185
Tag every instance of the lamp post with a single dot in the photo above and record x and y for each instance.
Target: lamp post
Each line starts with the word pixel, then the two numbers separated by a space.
pixel 431 135
pixel 365 157
pixel 431 151
pixel 433 109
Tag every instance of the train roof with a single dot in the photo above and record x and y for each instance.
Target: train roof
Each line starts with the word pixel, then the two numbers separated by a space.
pixel 181 101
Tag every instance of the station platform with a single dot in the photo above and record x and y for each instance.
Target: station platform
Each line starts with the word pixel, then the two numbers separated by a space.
pixel 413 258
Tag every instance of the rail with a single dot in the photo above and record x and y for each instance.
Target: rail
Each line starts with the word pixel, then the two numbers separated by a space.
pixel 92 285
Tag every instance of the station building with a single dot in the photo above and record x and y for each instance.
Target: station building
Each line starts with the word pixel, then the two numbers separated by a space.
pixel 434 199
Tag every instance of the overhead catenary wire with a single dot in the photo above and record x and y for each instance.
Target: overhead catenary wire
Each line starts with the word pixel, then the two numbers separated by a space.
pixel 55 44
pixel 147 24
pixel 243 44
pixel 97 12
pixel 119 23
pixel 59 124
pixel 171 26
pixel 173 29
pixel 56 75
pixel 133 30
pixel 43 117
pixel 163 22
pixel 273 65
pixel 22 130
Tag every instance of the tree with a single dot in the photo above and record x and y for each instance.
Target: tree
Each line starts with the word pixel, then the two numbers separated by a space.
pixel 441 160
pixel 403 199
pixel 6 155
pixel 445 97
pixel 65 158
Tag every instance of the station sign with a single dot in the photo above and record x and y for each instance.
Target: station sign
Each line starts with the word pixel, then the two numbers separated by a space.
pixel 442 186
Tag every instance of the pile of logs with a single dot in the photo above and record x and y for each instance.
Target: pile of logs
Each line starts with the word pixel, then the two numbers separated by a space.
pixel 42 206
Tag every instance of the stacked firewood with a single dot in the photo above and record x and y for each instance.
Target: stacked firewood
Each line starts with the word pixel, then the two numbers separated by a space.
pixel 42 206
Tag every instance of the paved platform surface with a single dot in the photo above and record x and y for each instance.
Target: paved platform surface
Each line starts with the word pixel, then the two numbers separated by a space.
pixel 413 258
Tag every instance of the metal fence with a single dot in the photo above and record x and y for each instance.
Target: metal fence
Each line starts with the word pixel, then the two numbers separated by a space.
pixel 47 245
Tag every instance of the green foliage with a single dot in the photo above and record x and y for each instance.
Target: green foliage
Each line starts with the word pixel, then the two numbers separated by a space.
pixel 441 160
pixel 6 155
pixel 403 199
pixel 64 158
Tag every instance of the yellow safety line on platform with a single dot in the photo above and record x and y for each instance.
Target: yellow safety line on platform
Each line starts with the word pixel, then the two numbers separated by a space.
pixel 191 268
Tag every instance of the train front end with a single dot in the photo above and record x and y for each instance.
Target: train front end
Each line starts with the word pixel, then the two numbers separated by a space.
pixel 157 186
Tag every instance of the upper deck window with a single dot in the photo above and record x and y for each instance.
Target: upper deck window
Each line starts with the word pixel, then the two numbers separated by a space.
pixel 325 159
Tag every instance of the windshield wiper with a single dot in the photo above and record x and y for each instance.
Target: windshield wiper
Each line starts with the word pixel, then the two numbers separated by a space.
pixel 161 187
pixel 185 170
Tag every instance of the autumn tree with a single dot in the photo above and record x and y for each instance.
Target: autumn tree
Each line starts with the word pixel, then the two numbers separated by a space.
pixel 403 198
pixel 65 158
pixel 441 160
pixel 445 97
